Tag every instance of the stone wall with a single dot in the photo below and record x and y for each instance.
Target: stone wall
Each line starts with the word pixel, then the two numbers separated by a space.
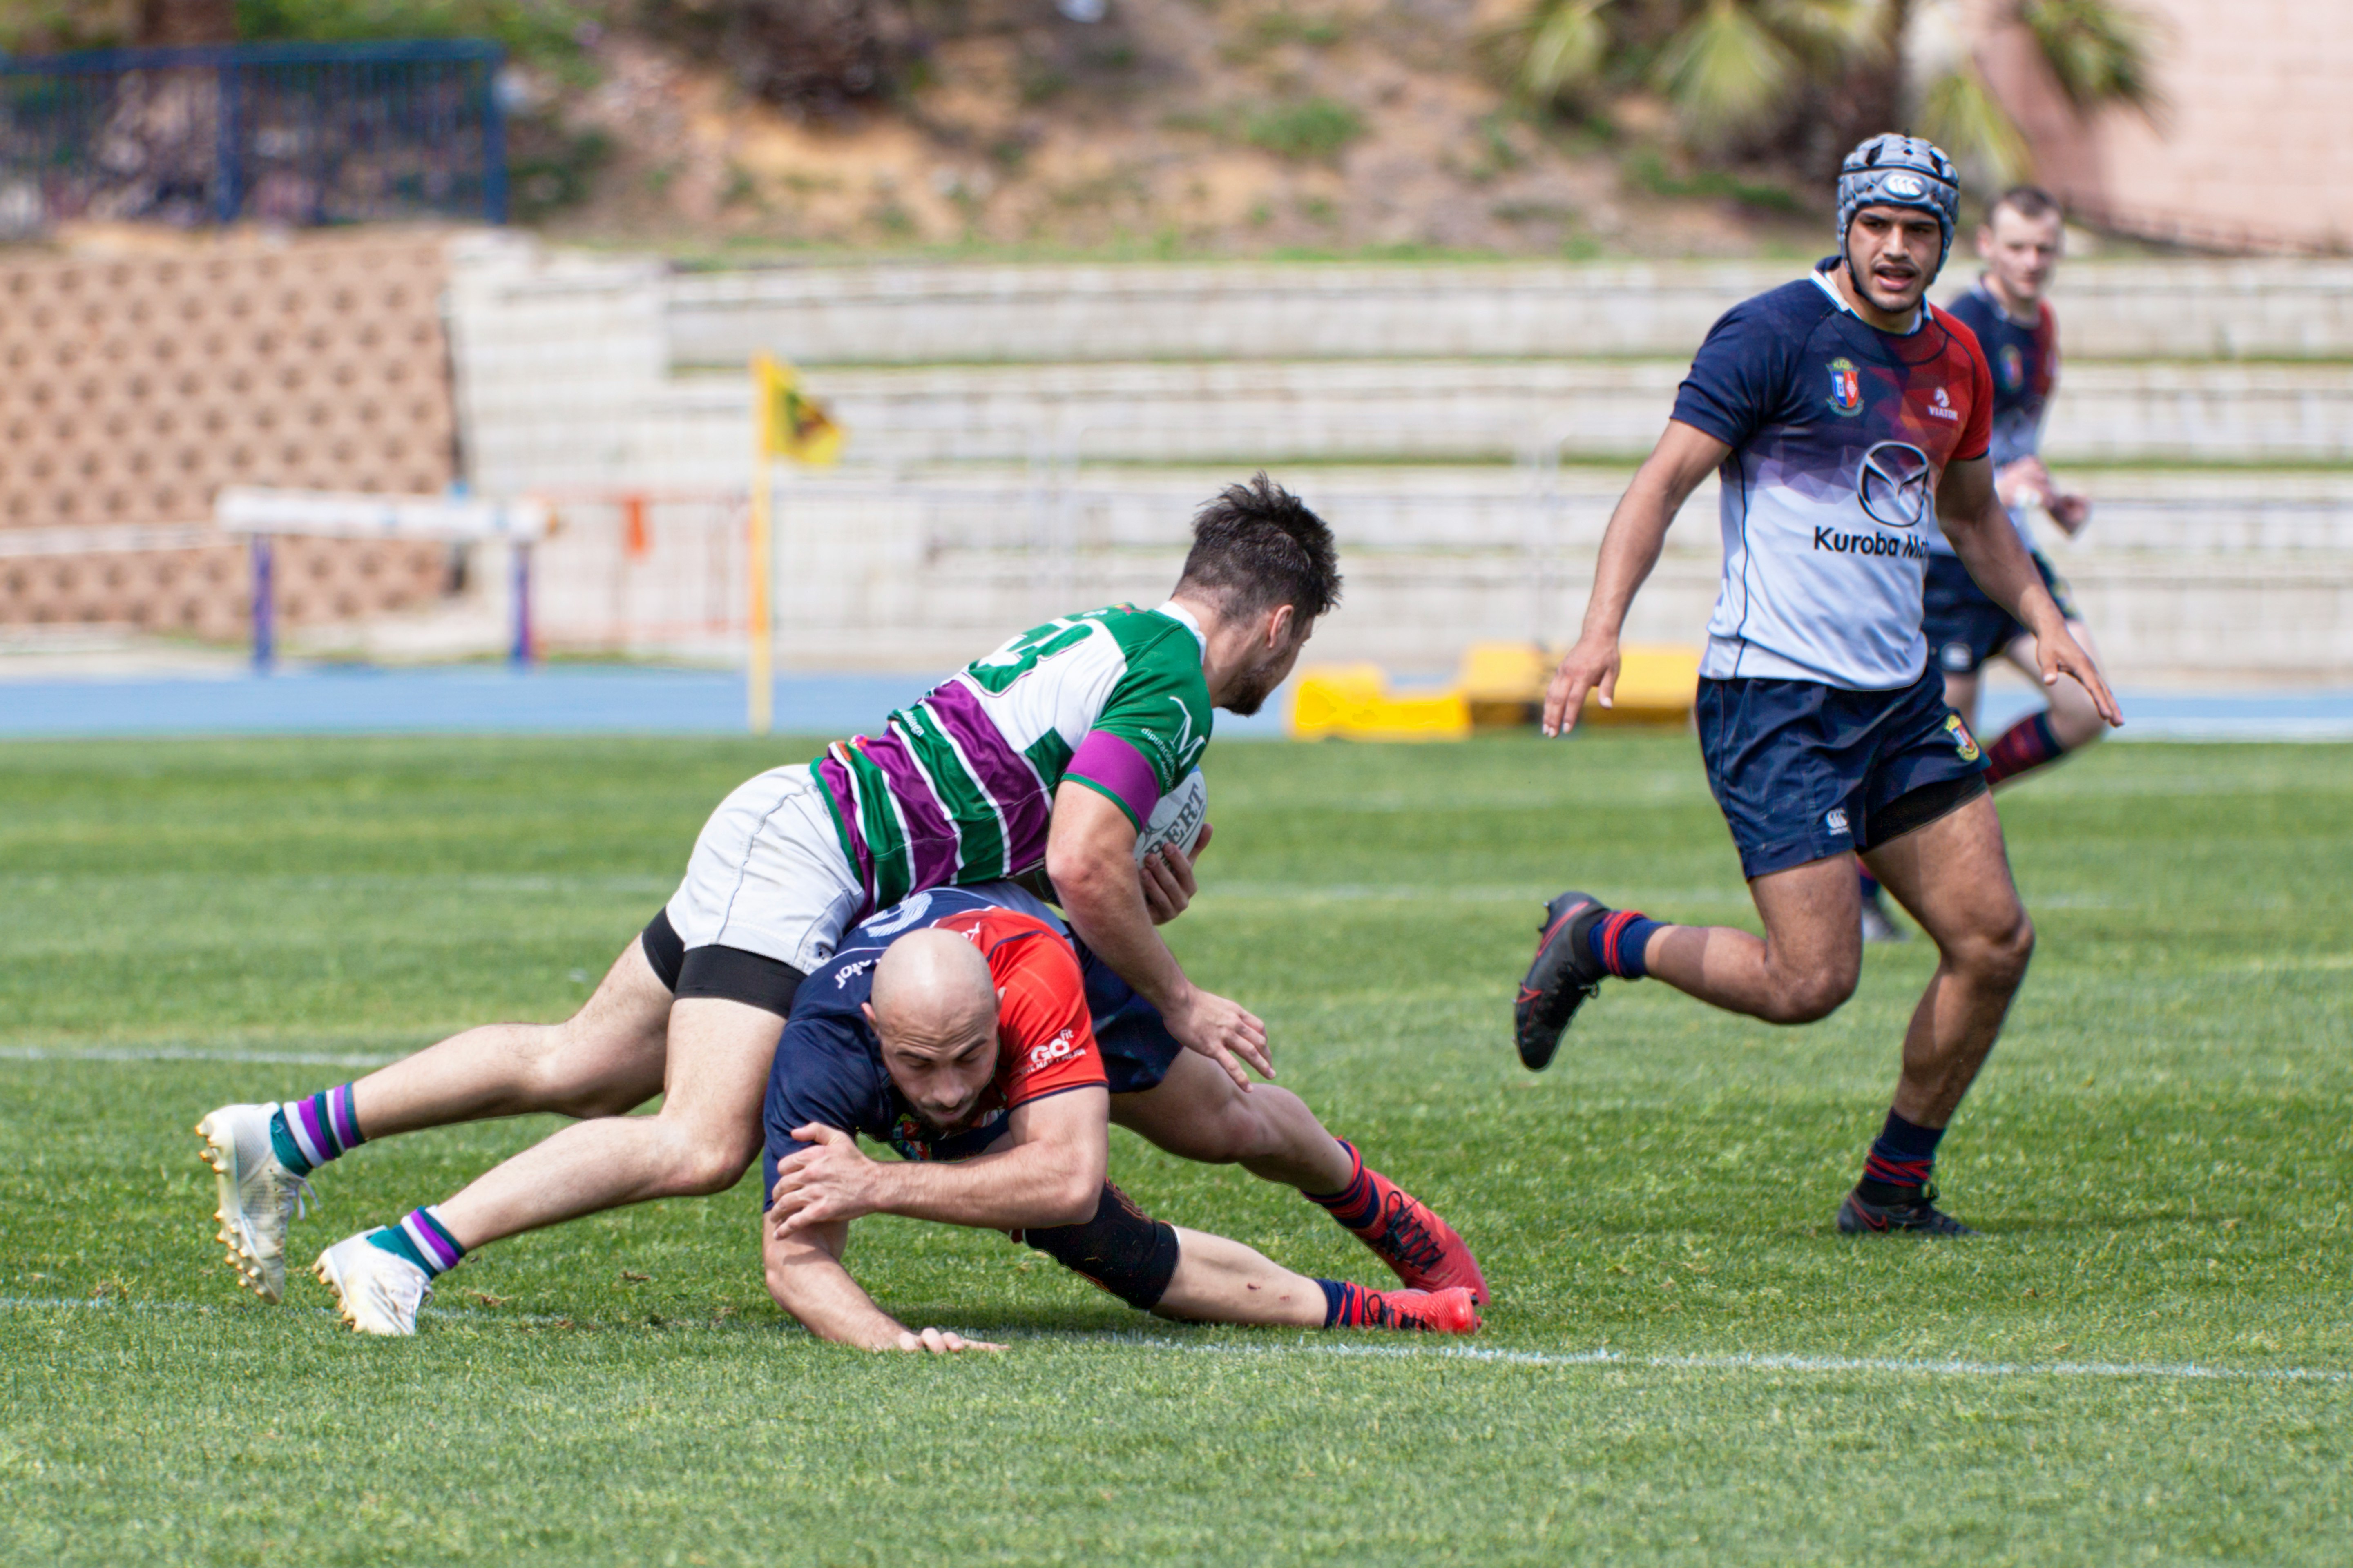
pixel 133 385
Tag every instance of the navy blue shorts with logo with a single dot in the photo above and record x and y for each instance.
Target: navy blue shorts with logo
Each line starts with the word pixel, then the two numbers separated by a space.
pixel 1965 628
pixel 1804 770
pixel 1136 1045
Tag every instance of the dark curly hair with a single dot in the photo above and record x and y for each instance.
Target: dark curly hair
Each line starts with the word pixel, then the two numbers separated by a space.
pixel 1257 546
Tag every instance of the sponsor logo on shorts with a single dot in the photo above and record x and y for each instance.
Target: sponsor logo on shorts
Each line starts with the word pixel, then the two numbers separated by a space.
pixel 1846 387
pixel 1955 657
pixel 1943 407
pixel 1835 820
pixel 1061 1047
pixel 1963 741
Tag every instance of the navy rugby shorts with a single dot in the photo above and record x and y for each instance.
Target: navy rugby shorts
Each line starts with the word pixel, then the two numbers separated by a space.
pixel 1965 628
pixel 1804 770
pixel 1136 1043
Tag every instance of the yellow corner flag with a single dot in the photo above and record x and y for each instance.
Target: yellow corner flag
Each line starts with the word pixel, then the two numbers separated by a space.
pixel 793 425
pixel 788 423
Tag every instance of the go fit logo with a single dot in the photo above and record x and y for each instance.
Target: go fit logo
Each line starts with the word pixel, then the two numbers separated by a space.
pixel 1060 1048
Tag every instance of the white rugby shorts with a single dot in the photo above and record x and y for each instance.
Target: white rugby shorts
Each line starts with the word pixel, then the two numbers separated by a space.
pixel 768 876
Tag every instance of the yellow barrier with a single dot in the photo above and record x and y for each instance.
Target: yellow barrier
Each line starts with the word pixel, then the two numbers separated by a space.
pixel 1351 702
pixel 1655 686
pixel 1498 684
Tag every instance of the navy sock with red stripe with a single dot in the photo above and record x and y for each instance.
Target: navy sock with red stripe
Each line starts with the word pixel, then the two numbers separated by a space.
pixel 1617 941
pixel 1355 1205
pixel 2026 745
pixel 1345 1306
pixel 1900 1161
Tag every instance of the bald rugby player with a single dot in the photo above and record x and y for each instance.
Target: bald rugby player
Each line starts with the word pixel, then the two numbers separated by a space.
pixel 965 1030
pixel 1048 753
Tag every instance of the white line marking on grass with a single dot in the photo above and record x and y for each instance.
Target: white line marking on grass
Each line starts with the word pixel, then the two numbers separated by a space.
pixel 1735 1360
pixel 1742 1361
pixel 191 1054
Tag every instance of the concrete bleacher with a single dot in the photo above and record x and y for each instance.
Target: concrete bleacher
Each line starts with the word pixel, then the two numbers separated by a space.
pixel 1026 438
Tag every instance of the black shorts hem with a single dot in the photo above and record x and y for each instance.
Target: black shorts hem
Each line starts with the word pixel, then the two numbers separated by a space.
pixel 665 949
pixel 1915 809
pixel 732 974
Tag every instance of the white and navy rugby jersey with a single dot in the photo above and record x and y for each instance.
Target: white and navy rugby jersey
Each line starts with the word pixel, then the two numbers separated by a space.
pixel 2024 359
pixel 1839 435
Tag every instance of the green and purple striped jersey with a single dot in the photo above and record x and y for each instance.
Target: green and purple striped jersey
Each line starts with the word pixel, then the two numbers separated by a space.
pixel 958 787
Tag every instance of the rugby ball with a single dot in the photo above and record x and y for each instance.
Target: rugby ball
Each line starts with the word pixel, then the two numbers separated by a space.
pixel 1177 822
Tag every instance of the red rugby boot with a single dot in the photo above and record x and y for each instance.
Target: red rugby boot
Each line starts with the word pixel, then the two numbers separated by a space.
pixel 1422 1250
pixel 1448 1311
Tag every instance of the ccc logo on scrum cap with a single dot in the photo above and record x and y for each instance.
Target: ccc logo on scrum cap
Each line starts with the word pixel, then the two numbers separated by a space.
pixel 1894 484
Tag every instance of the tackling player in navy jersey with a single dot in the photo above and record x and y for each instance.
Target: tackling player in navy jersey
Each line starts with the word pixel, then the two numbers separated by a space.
pixel 1841 411
pixel 999 1089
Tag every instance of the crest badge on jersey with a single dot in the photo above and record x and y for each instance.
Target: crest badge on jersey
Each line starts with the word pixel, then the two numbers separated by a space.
pixel 1963 741
pixel 1846 387
pixel 2014 368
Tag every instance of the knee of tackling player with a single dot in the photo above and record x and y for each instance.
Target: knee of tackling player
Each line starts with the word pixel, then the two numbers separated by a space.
pixel 1121 1248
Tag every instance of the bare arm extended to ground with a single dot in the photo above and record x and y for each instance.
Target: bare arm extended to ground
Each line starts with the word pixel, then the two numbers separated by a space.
pixel 1638 531
pixel 1047 1170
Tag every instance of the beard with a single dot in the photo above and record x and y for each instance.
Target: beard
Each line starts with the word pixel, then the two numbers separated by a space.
pixel 1252 693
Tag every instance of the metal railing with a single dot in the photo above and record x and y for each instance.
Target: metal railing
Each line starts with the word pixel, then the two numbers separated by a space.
pixel 286 134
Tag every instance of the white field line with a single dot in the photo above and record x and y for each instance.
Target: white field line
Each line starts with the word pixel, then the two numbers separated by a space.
pixel 1736 1360
pixel 1742 1361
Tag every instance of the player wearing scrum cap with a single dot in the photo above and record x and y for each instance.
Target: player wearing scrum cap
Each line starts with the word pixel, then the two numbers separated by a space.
pixel 1841 411
pixel 1050 752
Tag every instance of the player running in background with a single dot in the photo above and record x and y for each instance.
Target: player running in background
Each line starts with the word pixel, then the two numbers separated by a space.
pixel 964 1030
pixel 1050 752
pixel 2020 244
pixel 1839 410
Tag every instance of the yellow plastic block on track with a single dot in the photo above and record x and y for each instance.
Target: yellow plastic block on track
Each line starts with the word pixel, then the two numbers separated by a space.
pixel 1353 702
pixel 1655 686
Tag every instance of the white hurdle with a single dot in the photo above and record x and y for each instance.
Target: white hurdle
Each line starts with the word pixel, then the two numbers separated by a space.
pixel 264 514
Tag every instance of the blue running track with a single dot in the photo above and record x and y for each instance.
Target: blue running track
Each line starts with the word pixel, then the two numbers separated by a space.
pixel 484 699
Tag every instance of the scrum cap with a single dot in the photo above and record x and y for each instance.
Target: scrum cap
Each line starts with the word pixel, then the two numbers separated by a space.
pixel 1893 171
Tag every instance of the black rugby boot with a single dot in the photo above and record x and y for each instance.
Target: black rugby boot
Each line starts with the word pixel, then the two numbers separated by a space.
pixel 1916 1212
pixel 1563 974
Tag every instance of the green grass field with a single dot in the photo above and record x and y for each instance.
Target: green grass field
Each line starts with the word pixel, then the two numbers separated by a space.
pixel 2159 1153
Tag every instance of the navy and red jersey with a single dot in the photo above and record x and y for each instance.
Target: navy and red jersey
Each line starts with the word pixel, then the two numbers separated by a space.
pixel 1840 436
pixel 2024 357
pixel 828 1067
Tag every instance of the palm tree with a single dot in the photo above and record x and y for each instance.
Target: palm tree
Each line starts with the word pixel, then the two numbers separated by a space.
pixel 1737 69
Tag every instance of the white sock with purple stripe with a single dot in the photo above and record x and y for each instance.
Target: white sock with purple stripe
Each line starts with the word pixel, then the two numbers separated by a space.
pixel 307 1133
pixel 422 1240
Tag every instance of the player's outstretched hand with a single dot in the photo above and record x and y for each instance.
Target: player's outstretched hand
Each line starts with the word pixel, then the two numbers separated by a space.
pixel 831 1180
pixel 2060 653
pixel 1221 1031
pixel 941 1342
pixel 1591 666
pixel 1168 876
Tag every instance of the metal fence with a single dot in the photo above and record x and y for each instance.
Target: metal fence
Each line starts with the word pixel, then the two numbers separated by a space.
pixel 286 134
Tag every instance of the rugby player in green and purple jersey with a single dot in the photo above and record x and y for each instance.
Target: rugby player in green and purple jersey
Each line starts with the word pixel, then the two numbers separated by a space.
pixel 1048 754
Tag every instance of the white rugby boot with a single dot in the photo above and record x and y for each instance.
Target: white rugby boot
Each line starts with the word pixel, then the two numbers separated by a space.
pixel 260 1197
pixel 377 1293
